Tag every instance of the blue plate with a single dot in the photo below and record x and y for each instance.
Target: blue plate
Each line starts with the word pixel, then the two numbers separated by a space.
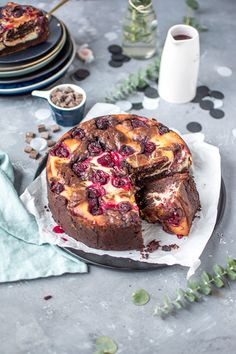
pixel 44 72
pixel 28 87
pixel 32 53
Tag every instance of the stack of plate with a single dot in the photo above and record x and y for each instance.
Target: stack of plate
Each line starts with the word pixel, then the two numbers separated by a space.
pixel 38 66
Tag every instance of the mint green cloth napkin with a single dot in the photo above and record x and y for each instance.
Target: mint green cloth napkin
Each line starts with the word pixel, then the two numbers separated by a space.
pixel 21 256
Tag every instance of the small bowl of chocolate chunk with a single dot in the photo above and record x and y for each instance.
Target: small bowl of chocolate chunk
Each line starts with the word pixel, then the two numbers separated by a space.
pixel 67 102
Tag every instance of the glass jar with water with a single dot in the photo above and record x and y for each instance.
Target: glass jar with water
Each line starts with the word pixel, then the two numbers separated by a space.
pixel 140 30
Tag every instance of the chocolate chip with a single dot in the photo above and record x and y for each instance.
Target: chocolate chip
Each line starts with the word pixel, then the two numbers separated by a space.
pixel 137 105
pixel 194 127
pixel 29 135
pixel 115 64
pixel 28 140
pixel 55 128
pixel 217 94
pixel 151 92
pixel 217 113
pixel 115 49
pixel 206 104
pixel 41 128
pixel 45 135
pixel 34 155
pixel 51 143
pixel 81 74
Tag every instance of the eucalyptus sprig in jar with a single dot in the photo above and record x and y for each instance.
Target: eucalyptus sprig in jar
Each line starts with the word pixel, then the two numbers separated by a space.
pixel 140 30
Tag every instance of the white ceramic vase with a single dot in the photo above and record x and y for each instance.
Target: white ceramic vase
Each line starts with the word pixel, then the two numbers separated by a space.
pixel 179 65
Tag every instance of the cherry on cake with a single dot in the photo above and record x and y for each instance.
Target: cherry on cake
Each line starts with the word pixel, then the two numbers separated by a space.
pixel 97 170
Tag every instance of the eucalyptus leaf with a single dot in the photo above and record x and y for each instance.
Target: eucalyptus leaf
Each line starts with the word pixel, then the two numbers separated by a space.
pixel 193 4
pixel 140 297
pixel 206 277
pixel 218 270
pixel 231 274
pixel 106 345
pixel 218 282
pixel 190 296
pixel 205 289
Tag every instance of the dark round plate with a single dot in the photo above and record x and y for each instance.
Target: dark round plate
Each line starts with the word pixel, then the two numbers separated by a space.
pixel 44 72
pixel 32 53
pixel 126 263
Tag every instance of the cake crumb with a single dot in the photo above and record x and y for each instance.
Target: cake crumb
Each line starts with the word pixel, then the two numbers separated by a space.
pixel 47 297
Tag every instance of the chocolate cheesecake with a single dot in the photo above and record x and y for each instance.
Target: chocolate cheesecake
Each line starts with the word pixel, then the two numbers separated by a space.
pixel 21 27
pixel 173 201
pixel 97 170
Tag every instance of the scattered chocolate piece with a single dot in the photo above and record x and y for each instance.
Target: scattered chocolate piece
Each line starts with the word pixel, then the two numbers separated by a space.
pixel 45 135
pixel 81 74
pixel 151 92
pixel 115 49
pixel 55 128
pixel 47 297
pixel 217 113
pixel 206 104
pixel 194 127
pixel 29 135
pixel 28 140
pixel 51 143
pixel 137 105
pixel 28 149
pixel 41 128
pixel 34 155
pixel 66 97
pixel 115 64
pixel 217 94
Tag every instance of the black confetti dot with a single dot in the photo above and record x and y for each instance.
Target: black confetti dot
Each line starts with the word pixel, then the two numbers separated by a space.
pixel 142 87
pixel 197 99
pixel 217 113
pixel 115 64
pixel 126 58
pixel 206 104
pixel 217 94
pixel 81 74
pixel 115 49
pixel 151 92
pixel 203 91
pixel 194 127
pixel 117 57
pixel 137 106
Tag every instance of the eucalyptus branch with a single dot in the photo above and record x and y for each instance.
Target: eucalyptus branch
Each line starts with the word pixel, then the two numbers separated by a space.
pixel 134 81
pixel 192 6
pixel 196 289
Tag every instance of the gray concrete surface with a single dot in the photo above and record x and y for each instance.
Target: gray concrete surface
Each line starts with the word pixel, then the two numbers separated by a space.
pixel 99 303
